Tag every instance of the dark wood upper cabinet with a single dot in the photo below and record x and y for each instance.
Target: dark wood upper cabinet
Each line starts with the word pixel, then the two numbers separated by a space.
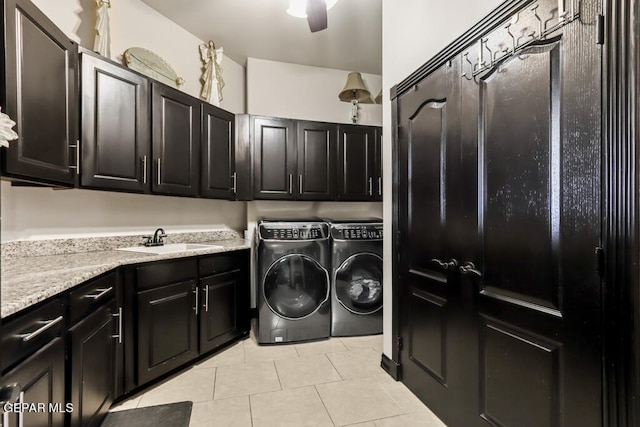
pixel 316 152
pixel 175 137
pixel 274 158
pixel 377 170
pixel 356 162
pixel 218 173
pixel 115 126
pixel 39 67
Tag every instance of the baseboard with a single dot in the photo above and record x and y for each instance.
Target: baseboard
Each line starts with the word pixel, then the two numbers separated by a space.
pixel 391 367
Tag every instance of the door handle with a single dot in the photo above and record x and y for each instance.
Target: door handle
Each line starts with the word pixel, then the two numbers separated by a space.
pixel 300 183
pixel 370 186
pixel 379 186
pixel 206 298
pixel 235 182
pixel 10 393
pixel 119 316
pixel 448 265
pixel 144 169
pixel 159 173
pixel 290 183
pixel 195 291
pixel 469 269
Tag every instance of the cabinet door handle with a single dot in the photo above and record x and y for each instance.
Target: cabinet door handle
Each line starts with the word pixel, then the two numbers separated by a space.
pixel 379 186
pixel 206 298
pixel 290 183
pixel 144 169
pixel 119 316
pixel 21 413
pixel 10 393
pixel 300 183
pixel 235 182
pixel 370 186
pixel 469 269
pixel 448 265
pixel 101 292
pixel 195 291
pixel 159 174
pixel 47 324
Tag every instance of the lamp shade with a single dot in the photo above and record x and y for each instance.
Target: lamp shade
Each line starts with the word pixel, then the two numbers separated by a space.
pixel 354 88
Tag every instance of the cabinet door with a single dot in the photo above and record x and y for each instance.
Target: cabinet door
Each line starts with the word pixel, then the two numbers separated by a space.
pixel 377 169
pixel 223 311
pixel 218 176
pixel 41 377
pixel 92 366
pixel 175 141
pixel 356 158
pixel 167 329
pixel 316 146
pixel 39 94
pixel 275 158
pixel 115 127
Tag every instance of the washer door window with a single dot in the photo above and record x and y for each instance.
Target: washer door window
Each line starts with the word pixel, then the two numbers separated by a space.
pixel 295 286
pixel 359 283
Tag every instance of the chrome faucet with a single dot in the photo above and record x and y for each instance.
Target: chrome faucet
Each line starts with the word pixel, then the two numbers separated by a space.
pixel 157 239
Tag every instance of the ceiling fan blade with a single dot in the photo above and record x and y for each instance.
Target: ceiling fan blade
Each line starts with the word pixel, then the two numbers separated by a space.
pixel 317 15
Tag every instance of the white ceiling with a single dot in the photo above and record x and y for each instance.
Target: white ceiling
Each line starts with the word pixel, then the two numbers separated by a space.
pixel 262 29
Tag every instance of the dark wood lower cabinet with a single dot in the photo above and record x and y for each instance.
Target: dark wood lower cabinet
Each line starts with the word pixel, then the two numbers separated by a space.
pixel 93 368
pixel 167 329
pixel 41 377
pixel 223 316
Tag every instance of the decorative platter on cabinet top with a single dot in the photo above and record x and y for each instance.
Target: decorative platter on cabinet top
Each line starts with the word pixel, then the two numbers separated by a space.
pixel 151 64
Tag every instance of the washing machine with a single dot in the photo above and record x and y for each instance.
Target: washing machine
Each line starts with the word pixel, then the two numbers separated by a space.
pixel 293 295
pixel 356 272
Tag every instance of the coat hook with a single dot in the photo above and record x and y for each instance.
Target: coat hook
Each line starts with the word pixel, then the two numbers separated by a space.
pixel 490 54
pixel 534 9
pixel 505 51
pixel 466 57
pixel 513 39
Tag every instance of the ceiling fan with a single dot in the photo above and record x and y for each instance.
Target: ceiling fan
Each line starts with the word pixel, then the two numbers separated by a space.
pixel 314 10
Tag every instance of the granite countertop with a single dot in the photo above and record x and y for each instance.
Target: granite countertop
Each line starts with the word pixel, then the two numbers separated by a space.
pixel 27 280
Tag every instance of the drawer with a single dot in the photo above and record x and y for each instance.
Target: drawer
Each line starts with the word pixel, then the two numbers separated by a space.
pixel 86 298
pixel 30 331
pixel 220 263
pixel 166 272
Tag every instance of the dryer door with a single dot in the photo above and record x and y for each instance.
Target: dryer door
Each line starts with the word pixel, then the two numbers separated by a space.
pixel 295 286
pixel 358 283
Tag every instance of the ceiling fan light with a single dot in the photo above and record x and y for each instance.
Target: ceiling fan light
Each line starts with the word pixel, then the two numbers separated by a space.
pixel 298 8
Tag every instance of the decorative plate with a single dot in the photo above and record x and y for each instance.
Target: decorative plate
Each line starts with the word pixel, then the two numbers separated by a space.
pixel 152 65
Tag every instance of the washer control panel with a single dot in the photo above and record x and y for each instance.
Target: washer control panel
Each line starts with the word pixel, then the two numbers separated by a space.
pixel 293 231
pixel 356 231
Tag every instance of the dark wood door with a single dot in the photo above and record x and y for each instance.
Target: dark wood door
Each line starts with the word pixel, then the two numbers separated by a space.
pixel 316 149
pixel 438 355
pixel 116 134
pixel 222 312
pixel 356 158
pixel 41 377
pixel 39 94
pixel 219 178
pixel 275 159
pixel 92 366
pixel 377 170
pixel 175 137
pixel 512 335
pixel 167 328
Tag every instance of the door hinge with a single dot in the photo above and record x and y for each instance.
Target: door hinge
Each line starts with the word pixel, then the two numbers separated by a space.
pixel 399 343
pixel 600 30
pixel 599 254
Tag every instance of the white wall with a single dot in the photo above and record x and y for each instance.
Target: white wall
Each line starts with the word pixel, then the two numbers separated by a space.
pixel 39 212
pixel 309 93
pixel 412 32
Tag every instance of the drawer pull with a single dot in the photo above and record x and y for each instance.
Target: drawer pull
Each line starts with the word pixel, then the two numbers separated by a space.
pixel 206 298
pixel 101 292
pixel 47 324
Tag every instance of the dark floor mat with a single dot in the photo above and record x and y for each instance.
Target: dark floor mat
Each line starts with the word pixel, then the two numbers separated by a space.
pixel 170 415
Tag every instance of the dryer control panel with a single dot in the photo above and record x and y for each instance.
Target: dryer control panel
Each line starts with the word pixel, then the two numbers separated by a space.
pixel 293 231
pixel 356 231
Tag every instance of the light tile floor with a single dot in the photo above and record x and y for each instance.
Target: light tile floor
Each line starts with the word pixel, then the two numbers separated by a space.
pixel 335 382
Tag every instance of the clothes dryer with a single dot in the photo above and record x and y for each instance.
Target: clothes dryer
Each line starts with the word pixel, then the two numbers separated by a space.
pixel 356 271
pixel 293 295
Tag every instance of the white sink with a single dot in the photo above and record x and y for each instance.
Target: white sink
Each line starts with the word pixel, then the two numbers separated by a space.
pixel 168 249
